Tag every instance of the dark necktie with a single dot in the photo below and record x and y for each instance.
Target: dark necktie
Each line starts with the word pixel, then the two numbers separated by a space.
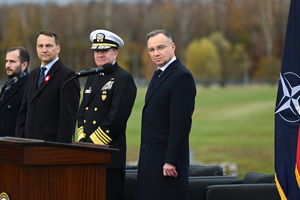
pixel 155 78
pixel 41 76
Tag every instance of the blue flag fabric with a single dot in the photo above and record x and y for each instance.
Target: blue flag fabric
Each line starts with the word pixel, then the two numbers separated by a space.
pixel 287 112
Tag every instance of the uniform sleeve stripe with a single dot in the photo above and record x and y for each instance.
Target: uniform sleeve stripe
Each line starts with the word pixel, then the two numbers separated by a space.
pixel 100 136
pixel 104 134
pixel 101 130
pixel 95 139
pixel 106 137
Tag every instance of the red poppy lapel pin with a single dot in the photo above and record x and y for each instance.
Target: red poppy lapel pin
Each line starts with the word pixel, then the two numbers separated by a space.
pixel 47 78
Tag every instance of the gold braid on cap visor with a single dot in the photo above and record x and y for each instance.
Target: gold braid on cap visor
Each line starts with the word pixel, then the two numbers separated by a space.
pixel 104 44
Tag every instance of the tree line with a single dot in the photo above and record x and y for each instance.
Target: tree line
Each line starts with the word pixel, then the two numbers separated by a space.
pixel 220 41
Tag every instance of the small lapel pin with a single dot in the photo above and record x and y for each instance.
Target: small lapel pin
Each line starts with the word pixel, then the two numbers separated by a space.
pixel 47 78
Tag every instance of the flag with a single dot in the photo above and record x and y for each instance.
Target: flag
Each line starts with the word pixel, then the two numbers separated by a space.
pixel 287 112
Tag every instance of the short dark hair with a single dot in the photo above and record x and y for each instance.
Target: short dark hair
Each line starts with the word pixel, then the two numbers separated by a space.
pixel 23 53
pixel 50 34
pixel 159 31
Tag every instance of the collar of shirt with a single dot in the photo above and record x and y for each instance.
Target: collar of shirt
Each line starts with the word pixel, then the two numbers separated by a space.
pixel 164 67
pixel 49 65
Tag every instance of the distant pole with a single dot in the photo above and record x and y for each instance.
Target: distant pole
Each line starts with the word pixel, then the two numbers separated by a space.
pixel 246 78
pixel 108 14
pixel 135 66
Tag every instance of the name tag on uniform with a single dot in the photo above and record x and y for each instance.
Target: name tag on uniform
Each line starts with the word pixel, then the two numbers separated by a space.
pixel 88 91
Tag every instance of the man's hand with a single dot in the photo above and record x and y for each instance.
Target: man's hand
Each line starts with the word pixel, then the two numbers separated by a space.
pixel 169 170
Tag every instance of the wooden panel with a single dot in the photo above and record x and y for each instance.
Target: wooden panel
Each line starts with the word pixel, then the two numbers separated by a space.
pixel 9 180
pixel 11 153
pixel 47 155
pixel 38 170
pixel 63 182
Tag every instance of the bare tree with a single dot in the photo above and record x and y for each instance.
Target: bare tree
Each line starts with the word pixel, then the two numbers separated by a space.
pixel 265 19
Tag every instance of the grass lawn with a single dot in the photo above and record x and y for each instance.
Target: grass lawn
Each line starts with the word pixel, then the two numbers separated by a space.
pixel 233 125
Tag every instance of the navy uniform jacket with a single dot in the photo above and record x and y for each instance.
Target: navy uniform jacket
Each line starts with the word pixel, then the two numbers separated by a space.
pixel 9 107
pixel 44 113
pixel 106 106
pixel 166 123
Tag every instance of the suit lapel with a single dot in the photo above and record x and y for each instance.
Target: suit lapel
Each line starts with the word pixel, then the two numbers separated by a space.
pixel 163 78
pixel 44 84
pixel 150 86
pixel 10 93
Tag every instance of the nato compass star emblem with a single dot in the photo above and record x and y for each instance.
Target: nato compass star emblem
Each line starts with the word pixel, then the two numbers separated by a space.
pixel 288 107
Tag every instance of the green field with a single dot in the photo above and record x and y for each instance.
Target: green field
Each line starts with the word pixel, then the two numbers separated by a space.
pixel 230 125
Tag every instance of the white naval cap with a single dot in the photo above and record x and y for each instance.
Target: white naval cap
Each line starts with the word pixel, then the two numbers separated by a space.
pixel 103 39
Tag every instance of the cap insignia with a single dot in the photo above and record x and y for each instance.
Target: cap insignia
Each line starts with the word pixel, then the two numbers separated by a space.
pixel 100 37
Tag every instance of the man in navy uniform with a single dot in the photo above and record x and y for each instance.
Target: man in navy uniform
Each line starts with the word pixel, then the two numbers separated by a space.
pixel 166 123
pixel 48 110
pixel 16 63
pixel 107 102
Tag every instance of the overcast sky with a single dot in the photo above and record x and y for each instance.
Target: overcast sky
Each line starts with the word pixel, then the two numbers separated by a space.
pixel 9 2
pixel 40 1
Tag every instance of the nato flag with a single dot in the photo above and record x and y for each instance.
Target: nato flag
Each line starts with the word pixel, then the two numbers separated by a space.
pixel 287 112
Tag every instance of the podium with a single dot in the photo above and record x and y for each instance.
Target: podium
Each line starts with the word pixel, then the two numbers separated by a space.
pixel 42 170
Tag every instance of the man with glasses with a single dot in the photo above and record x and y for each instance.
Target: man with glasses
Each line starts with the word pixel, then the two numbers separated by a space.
pixel 166 123
pixel 107 102
pixel 48 110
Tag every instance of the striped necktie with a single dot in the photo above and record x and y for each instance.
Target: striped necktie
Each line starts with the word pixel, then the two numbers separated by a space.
pixel 41 76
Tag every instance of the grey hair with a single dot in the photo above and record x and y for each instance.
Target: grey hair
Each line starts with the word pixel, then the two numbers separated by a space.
pixel 159 31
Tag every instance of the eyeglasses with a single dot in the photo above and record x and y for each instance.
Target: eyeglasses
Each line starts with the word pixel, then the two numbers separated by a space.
pixel 159 48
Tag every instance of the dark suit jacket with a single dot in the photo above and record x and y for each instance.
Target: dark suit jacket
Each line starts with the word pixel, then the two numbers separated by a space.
pixel 166 123
pixel 106 106
pixel 9 108
pixel 44 113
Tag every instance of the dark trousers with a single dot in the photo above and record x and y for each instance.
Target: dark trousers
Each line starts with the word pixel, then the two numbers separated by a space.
pixel 114 183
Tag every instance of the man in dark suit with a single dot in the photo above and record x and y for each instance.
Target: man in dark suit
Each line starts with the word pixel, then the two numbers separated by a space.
pixel 166 123
pixel 48 110
pixel 16 63
pixel 106 106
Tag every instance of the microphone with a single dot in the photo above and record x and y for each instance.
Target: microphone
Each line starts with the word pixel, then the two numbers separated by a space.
pixel 106 68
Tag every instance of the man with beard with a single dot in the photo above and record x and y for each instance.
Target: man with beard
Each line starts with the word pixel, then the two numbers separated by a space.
pixel 16 63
